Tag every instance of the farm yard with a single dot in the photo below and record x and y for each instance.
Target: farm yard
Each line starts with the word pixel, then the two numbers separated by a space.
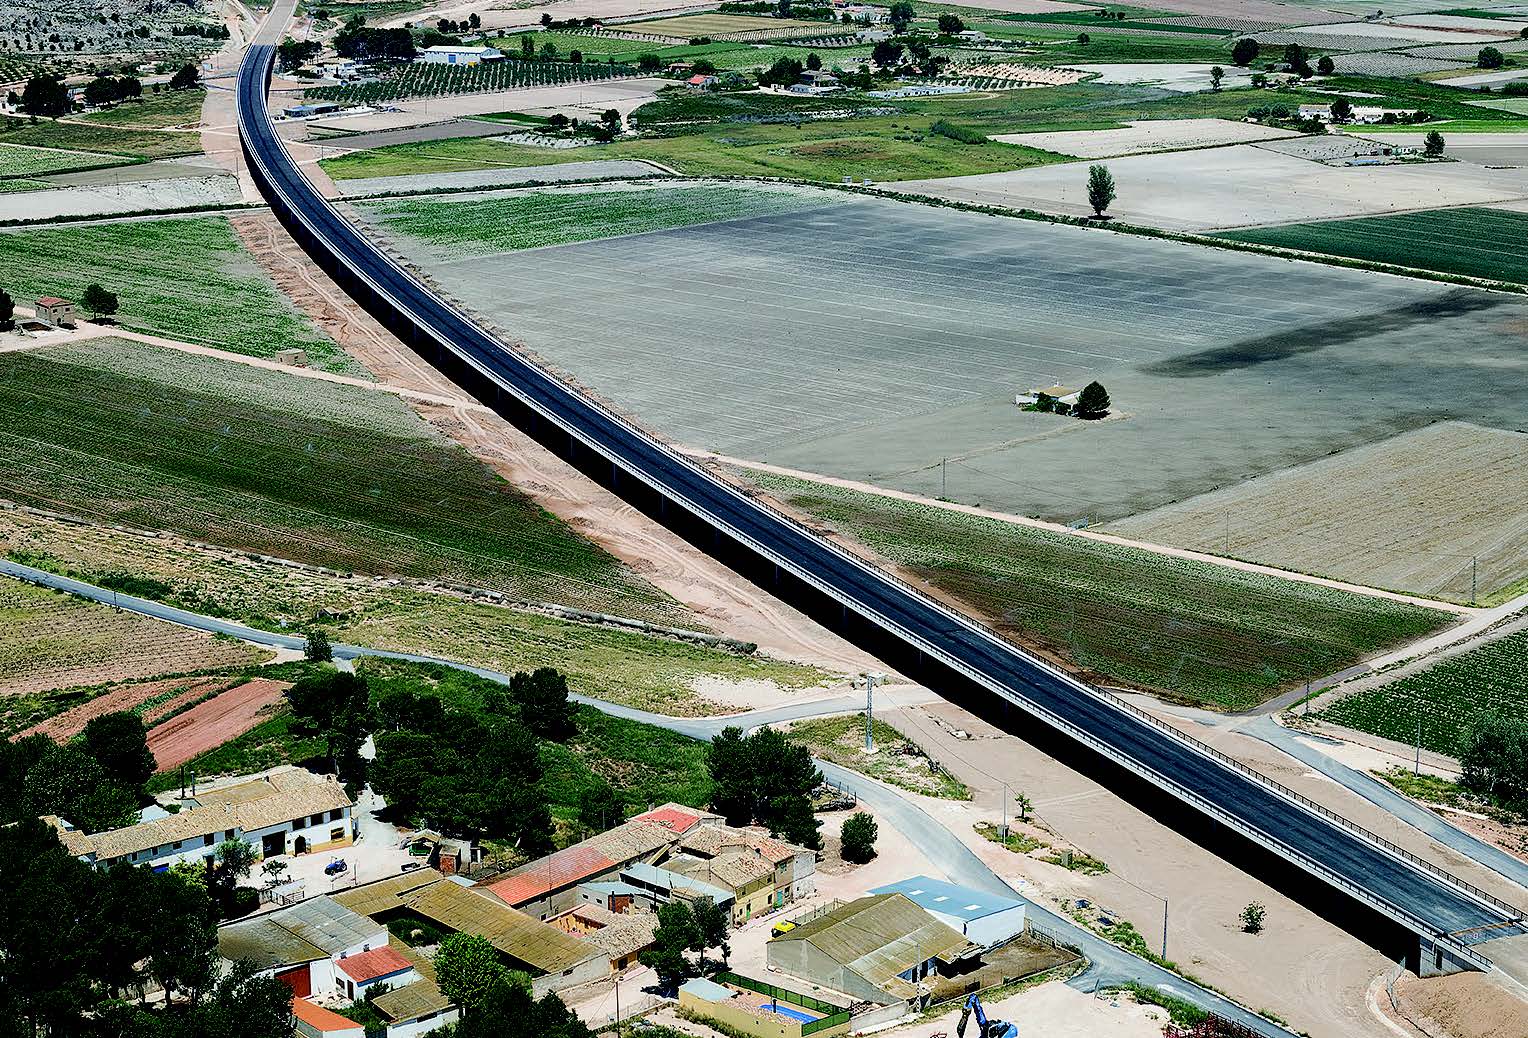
pixel 1443 697
pixel 1442 511
pixel 1473 241
pixel 1193 631
pixel 54 641
pixel 534 219
pixel 291 467
pixel 419 79
pixel 185 278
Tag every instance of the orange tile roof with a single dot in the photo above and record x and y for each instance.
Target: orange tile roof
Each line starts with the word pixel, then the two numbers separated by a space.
pixel 671 816
pixel 379 962
pixel 51 301
pixel 321 1019
pixel 551 873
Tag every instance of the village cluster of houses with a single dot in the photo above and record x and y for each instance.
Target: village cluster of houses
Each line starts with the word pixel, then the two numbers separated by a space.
pixel 578 916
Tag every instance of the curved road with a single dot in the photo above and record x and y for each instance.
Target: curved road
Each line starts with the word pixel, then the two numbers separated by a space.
pixel 1418 895
pixel 1108 963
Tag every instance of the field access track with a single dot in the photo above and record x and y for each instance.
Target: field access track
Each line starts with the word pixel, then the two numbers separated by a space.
pixel 935 642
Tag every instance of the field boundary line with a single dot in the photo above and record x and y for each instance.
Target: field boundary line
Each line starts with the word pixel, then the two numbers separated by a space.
pixel 102 332
pixel 1124 542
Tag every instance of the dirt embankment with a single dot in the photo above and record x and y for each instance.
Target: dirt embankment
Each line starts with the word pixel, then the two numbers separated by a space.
pixel 728 603
pixel 1465 1005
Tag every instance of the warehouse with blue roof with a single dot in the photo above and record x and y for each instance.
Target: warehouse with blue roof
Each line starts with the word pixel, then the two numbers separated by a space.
pixel 984 918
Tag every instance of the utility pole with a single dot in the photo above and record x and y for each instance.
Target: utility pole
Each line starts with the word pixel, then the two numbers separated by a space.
pixel 870 680
pixel 1004 830
pixel 1474 563
pixel 1416 769
pixel 1164 929
pixel 1307 695
pixel 943 483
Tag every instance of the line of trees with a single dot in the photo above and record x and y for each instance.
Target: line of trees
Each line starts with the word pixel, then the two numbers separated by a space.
pixel 357 40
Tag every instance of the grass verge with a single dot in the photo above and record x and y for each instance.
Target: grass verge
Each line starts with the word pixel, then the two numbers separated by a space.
pixel 898 761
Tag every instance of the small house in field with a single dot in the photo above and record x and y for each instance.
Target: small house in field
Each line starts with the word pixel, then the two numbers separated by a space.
pixel 460 55
pixel 1063 394
pixel 699 82
pixel 55 311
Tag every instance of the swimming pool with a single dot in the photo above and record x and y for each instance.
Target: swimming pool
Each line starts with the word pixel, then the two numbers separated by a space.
pixel 790 1011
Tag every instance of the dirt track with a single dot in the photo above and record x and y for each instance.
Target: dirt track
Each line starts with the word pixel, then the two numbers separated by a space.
pixel 212 723
pixel 728 603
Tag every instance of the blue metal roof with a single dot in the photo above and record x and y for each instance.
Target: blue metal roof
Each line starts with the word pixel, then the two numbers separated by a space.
pixel 935 895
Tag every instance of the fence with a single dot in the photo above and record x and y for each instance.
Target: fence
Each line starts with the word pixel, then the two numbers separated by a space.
pixel 836 1014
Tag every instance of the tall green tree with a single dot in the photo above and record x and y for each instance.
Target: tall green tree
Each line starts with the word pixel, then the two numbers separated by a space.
pixel 545 708
pixel 1092 402
pixel 712 928
pixel 69 782
pixel 337 705
pixel 1433 144
pixel 857 838
pixel 119 743
pixel 1494 760
pixel 45 97
pixel 1100 188
pixel 600 807
pixel 676 935
pixel 99 301
pixel 7 311
pixel 1244 51
pixel 468 969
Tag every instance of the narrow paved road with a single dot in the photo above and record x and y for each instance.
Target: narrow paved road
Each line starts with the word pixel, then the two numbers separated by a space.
pixel 1109 964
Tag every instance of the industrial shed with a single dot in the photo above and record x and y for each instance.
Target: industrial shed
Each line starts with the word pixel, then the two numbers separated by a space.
pixel 875 948
pixel 987 919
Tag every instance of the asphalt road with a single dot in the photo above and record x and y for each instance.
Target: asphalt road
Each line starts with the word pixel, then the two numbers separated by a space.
pixel 1335 852
pixel 1108 964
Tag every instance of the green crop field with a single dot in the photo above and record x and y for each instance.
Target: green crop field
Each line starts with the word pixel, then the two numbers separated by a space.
pixel 28 162
pixel 186 278
pixel 168 108
pixel 1482 243
pixel 110 140
pixel 1194 631
pixel 881 148
pixel 540 218
pixel 1443 698
pixel 263 461
pixel 420 79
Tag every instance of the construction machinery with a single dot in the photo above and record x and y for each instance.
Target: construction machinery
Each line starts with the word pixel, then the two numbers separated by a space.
pixel 984 1028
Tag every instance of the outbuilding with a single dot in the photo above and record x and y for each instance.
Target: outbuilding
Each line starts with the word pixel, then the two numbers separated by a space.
pixel 460 55
pixel 55 311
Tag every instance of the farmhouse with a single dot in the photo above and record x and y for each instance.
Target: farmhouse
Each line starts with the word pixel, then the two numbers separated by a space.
pixel 286 811
pixel 448 55
pixel 986 919
pixel 875 948
pixel 1064 394
pixel 700 82
pixel 55 311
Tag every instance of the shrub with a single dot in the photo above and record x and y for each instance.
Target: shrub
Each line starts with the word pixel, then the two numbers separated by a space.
pixel 857 838
pixel 956 132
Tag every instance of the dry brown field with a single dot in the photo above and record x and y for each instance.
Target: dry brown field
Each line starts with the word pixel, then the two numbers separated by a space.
pixel 1412 513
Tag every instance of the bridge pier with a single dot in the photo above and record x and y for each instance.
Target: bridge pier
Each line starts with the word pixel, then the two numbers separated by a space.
pixel 1436 960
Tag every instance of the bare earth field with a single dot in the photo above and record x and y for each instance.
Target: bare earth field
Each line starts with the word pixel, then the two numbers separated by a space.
pixel 1407 513
pixel 895 362
pixel 54 641
pixel 1146 136
pixel 1238 186
pixel 211 723
pixel 151 700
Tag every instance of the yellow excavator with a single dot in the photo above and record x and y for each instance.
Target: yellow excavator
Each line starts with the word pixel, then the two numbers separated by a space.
pixel 984 1028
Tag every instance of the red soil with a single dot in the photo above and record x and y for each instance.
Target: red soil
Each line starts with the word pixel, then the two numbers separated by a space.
pixel 210 724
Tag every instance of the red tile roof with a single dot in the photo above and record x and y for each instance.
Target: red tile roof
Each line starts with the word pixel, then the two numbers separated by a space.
pixel 553 872
pixel 697 80
pixel 379 962
pixel 671 816
pixel 321 1019
pixel 52 301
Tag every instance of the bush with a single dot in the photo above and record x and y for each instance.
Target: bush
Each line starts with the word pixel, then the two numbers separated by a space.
pixel 1433 144
pixel 956 132
pixel 1253 917
pixel 857 838
pixel 1244 51
pixel 1490 57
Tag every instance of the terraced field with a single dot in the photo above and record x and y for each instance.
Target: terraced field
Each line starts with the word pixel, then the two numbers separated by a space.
pixel 1194 631
pixel 534 219
pixel 1477 242
pixel 54 641
pixel 295 468
pixel 1443 698
pixel 186 278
